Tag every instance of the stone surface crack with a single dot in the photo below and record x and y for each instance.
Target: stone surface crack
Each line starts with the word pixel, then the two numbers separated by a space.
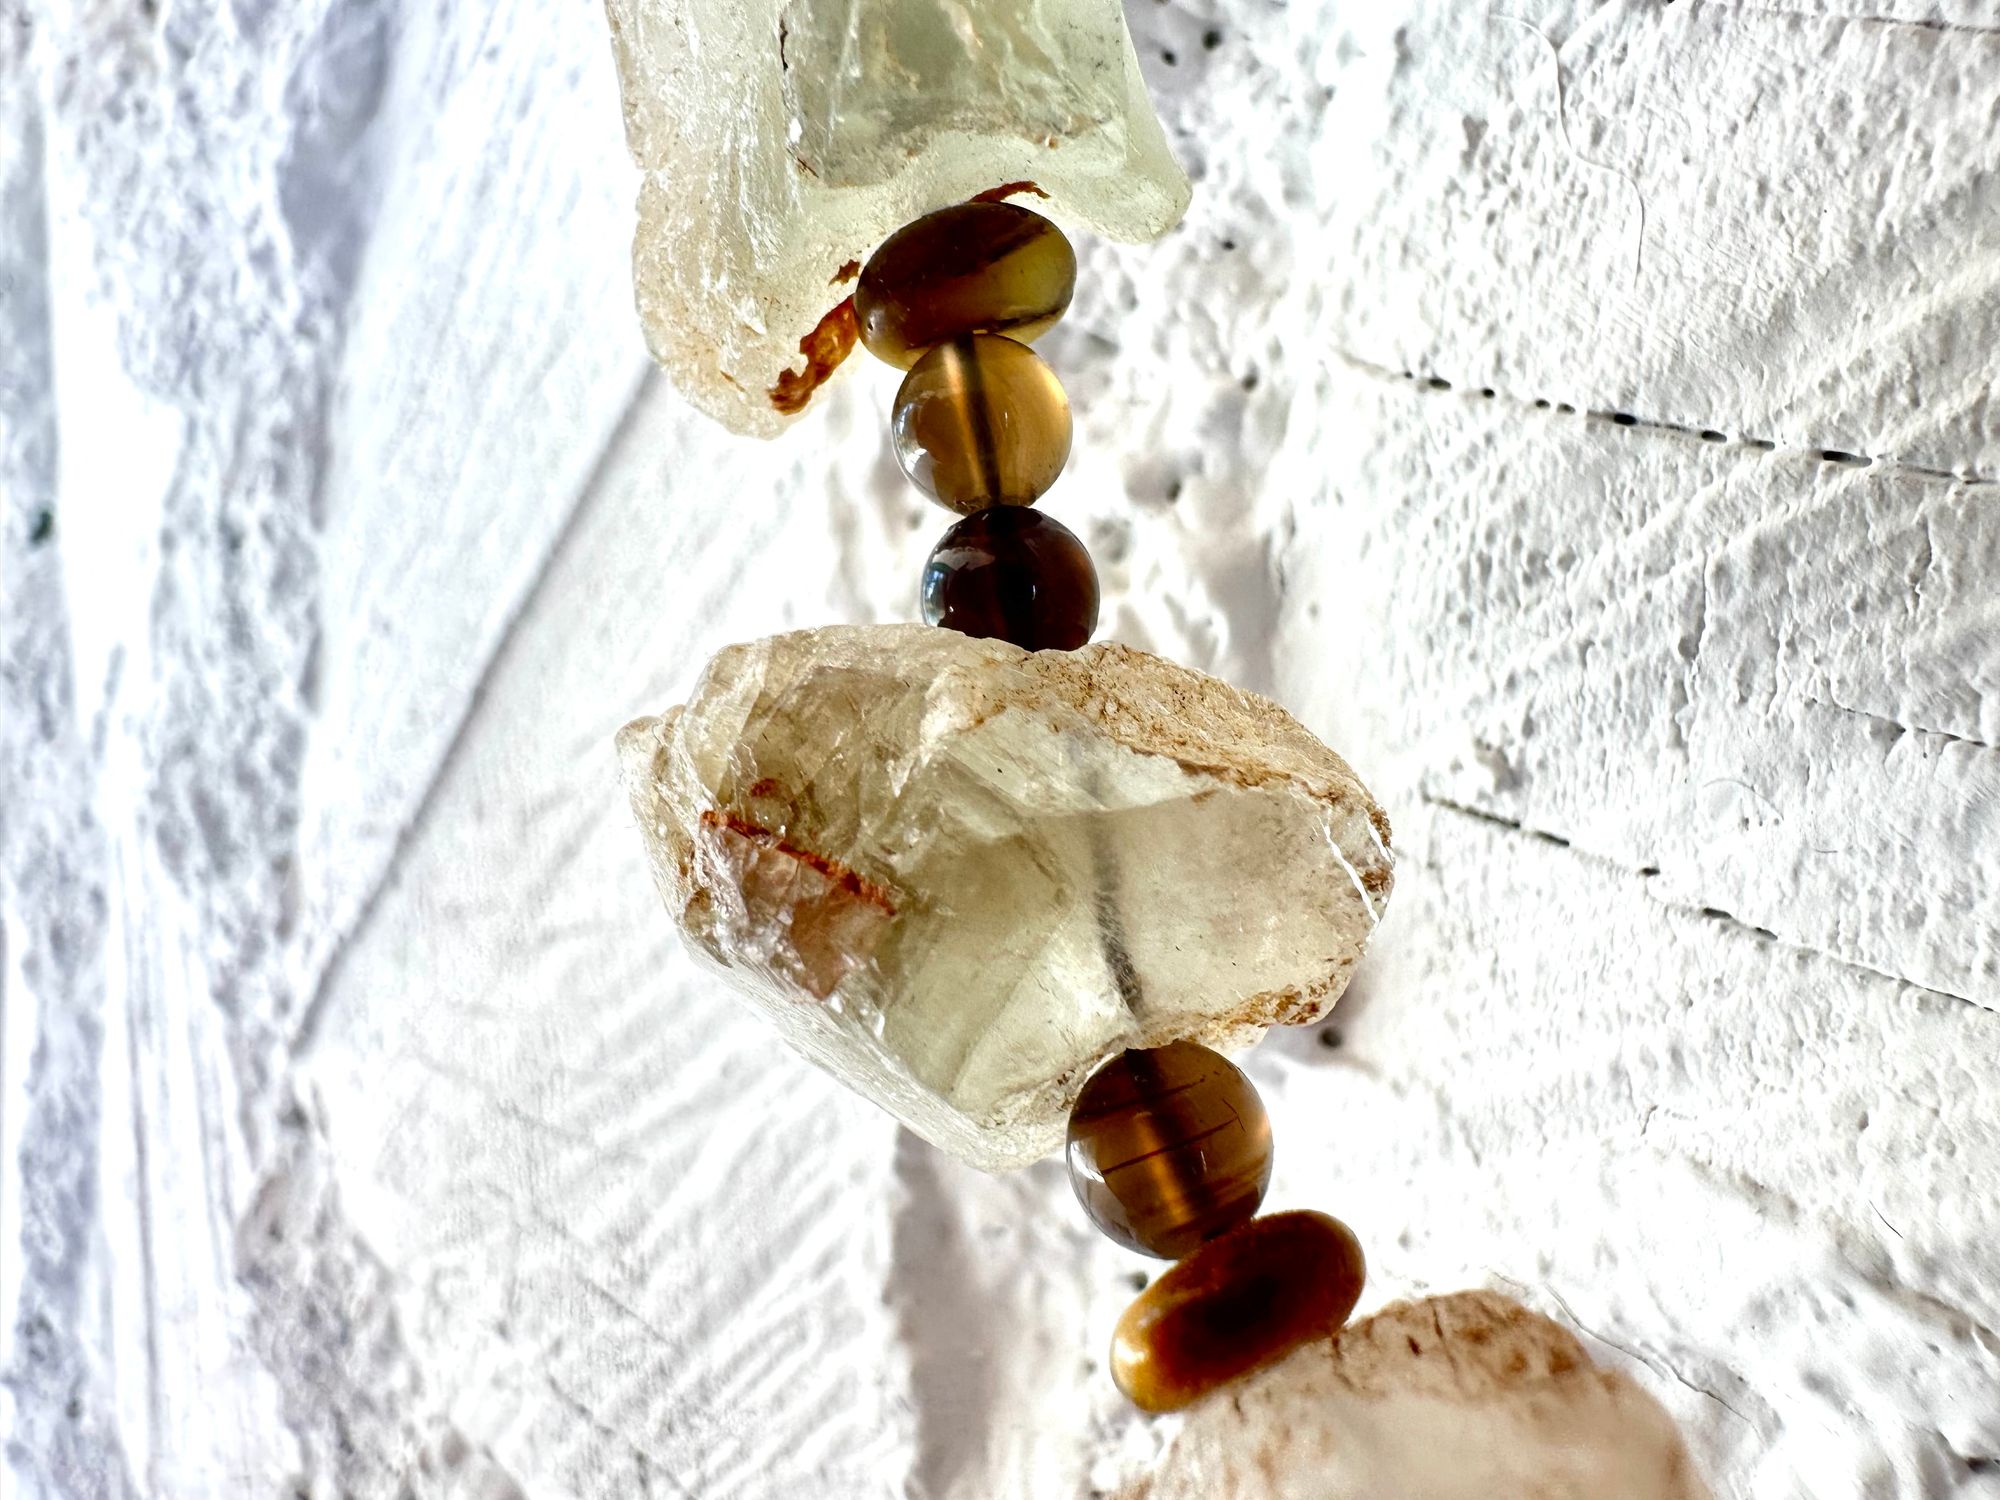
pixel 1562 129
pixel 1652 1362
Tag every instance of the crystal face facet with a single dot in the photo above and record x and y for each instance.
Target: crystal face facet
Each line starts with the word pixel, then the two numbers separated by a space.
pixel 970 268
pixel 868 81
pixel 981 421
pixel 960 875
pixel 781 140
pixel 1169 1148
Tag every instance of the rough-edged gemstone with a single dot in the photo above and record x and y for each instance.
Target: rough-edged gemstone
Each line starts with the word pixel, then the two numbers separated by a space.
pixel 960 875
pixel 1463 1397
pixel 781 141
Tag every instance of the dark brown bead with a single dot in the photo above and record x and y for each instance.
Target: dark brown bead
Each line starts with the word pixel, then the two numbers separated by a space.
pixel 971 268
pixel 1237 1304
pixel 981 421
pixel 1169 1148
pixel 1012 574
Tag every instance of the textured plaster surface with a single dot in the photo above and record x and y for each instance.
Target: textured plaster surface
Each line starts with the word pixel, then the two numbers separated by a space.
pixel 1583 418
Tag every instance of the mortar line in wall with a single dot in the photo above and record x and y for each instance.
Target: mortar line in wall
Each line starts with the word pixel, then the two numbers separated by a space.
pixel 1712 913
pixel 1606 416
pixel 1899 726
pixel 1913 23
pixel 307 1023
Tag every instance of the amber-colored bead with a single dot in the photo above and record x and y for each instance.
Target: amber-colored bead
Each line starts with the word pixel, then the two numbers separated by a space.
pixel 971 268
pixel 981 421
pixel 1168 1148
pixel 1012 574
pixel 1237 1304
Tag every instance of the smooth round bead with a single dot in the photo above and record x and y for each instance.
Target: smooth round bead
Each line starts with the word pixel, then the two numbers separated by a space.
pixel 1169 1148
pixel 971 268
pixel 1237 1304
pixel 981 421
pixel 1012 574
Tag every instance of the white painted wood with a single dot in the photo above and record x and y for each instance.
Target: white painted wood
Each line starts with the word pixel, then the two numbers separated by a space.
pixel 353 1087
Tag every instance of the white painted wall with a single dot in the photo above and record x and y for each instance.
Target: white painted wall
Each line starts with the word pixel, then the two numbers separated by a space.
pixel 363 1126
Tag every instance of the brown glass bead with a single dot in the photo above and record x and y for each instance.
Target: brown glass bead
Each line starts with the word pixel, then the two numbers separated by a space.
pixel 971 268
pixel 1237 1304
pixel 1169 1148
pixel 1012 574
pixel 981 421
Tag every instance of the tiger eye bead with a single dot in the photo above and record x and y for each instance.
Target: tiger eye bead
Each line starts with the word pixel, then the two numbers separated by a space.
pixel 1168 1148
pixel 1012 574
pixel 981 421
pixel 971 268
pixel 1236 1305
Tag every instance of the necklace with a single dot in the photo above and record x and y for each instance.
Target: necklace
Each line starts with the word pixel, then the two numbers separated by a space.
pixel 1005 883
pixel 1018 889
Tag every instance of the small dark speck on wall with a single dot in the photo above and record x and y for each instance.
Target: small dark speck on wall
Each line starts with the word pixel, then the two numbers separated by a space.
pixel 44 527
pixel 1167 56
pixel 1211 38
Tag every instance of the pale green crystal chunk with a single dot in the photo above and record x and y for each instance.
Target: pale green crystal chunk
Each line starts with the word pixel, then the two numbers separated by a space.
pixel 959 875
pixel 782 140
pixel 1463 1397
pixel 868 84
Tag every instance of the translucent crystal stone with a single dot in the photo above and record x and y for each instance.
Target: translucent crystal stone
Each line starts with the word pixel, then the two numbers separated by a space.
pixel 1465 1397
pixel 960 875
pixel 783 140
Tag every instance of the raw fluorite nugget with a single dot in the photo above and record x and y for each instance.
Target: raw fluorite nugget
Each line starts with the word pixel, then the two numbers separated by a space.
pixel 1466 1397
pixel 781 141
pixel 960 875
